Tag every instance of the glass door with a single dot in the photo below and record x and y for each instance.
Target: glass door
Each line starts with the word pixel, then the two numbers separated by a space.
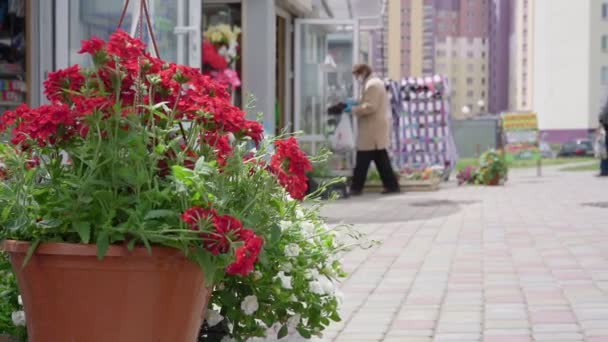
pixel 325 52
pixel 176 27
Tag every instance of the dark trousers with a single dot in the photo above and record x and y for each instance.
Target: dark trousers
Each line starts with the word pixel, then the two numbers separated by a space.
pixel 383 164
pixel 604 162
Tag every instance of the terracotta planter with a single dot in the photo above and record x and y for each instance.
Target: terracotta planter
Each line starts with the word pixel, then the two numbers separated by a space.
pixel 70 295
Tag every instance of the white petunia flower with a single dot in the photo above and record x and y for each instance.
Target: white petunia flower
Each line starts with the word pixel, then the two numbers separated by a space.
pixel 299 213
pixel 311 274
pixel 285 225
pixel 292 250
pixel 340 297
pixel 286 267
pixel 285 280
pixel 328 286
pixel 308 228
pixel 316 287
pixel 250 305
pixel 213 318
pixel 18 318
pixel 20 300
pixel 293 321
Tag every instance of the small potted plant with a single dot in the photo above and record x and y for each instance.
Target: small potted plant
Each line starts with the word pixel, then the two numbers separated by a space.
pixel 140 190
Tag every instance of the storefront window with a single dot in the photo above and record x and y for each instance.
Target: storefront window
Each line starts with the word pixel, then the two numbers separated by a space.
pixel 100 18
pixel 222 40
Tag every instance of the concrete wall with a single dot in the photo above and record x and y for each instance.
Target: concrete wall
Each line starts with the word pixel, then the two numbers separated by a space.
pixel 561 64
pixel 599 58
pixel 394 36
pixel 259 48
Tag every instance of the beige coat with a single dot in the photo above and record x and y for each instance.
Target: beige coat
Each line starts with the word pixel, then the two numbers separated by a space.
pixel 372 119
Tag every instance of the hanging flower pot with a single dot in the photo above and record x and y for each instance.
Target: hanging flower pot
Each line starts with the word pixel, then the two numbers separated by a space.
pixel 71 295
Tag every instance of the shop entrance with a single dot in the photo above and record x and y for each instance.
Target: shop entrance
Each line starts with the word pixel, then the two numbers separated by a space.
pixel 325 52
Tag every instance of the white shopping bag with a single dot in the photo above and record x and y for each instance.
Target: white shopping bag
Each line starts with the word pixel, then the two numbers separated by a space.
pixel 343 138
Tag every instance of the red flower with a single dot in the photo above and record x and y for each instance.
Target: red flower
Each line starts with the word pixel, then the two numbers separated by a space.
pixel 92 46
pixel 254 130
pixel 123 46
pixel 60 81
pixel 246 256
pixel 212 58
pixel 221 146
pixel 290 165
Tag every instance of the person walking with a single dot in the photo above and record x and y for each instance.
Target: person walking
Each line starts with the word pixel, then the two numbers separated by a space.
pixel 603 139
pixel 601 152
pixel 373 137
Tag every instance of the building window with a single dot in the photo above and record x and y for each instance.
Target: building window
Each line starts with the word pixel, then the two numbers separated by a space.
pixel 605 75
pixel 605 43
pixel 605 11
pixel 483 81
pixel 470 94
pixel 469 81
pixel 470 54
pixel 470 68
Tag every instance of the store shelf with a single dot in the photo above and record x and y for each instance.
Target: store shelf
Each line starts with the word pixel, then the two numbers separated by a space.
pixel 10 103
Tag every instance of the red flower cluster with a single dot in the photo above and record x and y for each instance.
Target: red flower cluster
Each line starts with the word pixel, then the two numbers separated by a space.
pixel 290 165
pixel 212 58
pixel 75 94
pixel 221 146
pixel 225 230
pixel 48 124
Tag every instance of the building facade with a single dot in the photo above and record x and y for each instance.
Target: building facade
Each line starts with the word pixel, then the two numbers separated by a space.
pixel 499 24
pixel 521 55
pixel 570 69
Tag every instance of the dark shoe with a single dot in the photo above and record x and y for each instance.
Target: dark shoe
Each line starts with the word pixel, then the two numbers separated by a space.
pixel 390 192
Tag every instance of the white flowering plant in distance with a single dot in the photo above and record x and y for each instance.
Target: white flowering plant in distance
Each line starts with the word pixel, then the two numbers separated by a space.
pixel 294 289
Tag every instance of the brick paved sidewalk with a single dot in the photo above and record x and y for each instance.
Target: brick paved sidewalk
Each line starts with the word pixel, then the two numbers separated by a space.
pixel 525 262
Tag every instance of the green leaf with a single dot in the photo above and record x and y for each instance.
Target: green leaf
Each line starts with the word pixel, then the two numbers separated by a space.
pixel 154 214
pixel 84 231
pixel 103 243
pixel 282 332
pixel 182 174
pixel 131 245
pixel 30 252
pixel 304 332
pixel 335 317
pixel 205 261
pixel 275 234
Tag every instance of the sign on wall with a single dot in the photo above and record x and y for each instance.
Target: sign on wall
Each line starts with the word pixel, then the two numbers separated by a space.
pixel 520 131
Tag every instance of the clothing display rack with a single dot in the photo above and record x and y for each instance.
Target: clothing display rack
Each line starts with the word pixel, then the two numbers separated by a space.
pixel 422 126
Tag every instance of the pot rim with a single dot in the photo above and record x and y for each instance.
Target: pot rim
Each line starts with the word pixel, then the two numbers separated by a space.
pixel 75 249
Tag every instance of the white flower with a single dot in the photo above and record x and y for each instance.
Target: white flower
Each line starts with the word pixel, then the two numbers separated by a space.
pixel 308 228
pixel 20 300
pixel 257 275
pixel 293 321
pixel 340 297
pixel 299 213
pixel 18 318
pixel 286 267
pixel 327 285
pixel 311 274
pixel 292 250
pixel 293 298
pixel 285 225
pixel 285 280
pixel 213 318
pixel 316 287
pixel 250 305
